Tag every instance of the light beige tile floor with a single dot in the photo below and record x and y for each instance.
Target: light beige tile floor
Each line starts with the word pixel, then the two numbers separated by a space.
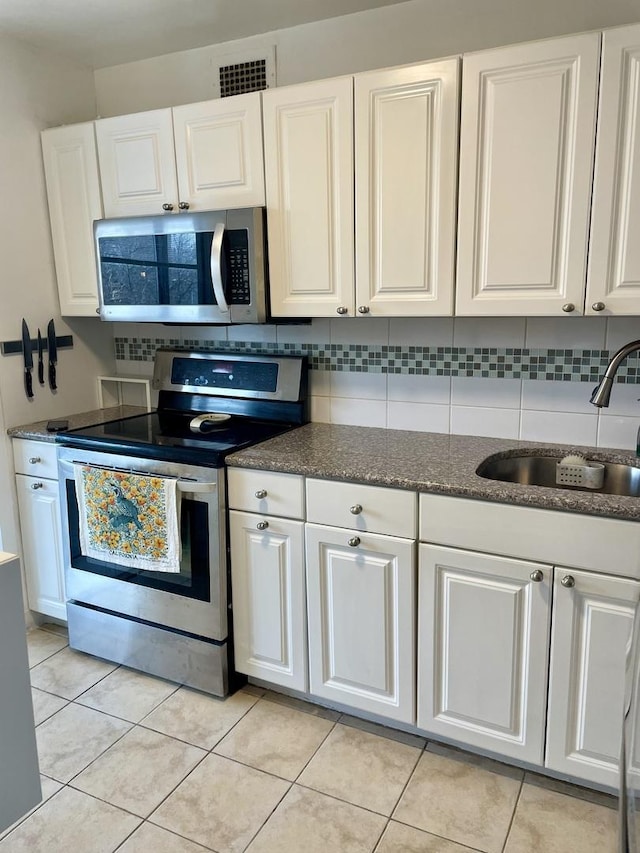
pixel 134 764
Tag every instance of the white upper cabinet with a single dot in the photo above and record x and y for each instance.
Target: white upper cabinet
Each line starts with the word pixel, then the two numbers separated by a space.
pixel 137 163
pixel 219 153
pixel 308 146
pixel 406 154
pixel 215 161
pixel 614 260
pixel 404 151
pixel 73 193
pixel 526 158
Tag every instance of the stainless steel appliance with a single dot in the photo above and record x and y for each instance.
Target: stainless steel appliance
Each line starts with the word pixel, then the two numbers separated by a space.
pixel 175 625
pixel 207 267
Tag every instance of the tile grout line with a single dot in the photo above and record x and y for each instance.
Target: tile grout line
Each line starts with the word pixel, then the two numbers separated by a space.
pixel 513 816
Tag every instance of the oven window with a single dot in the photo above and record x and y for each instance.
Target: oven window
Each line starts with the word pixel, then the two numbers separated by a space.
pixel 193 579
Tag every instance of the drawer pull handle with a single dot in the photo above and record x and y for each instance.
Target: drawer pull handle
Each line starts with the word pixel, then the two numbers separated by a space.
pixel 34 460
pixel 262 525
pixel 261 493
pixel 537 576
pixel 37 485
pixel 354 541
pixel 356 509
pixel 568 582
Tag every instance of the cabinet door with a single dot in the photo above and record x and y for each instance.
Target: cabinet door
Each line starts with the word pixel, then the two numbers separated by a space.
pixel 614 253
pixel 592 620
pixel 137 163
pixel 361 596
pixel 39 506
pixel 406 154
pixel 526 157
pixel 308 144
pixel 483 639
pixel 219 156
pixel 267 574
pixel 73 193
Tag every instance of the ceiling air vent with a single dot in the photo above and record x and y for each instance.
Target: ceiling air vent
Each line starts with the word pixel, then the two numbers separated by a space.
pixel 240 74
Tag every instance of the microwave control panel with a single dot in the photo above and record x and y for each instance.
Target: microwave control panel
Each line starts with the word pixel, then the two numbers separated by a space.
pixel 238 267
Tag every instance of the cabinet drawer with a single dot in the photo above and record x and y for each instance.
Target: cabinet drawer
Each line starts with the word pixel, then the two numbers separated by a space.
pixel 35 458
pixel 266 492
pixel 372 509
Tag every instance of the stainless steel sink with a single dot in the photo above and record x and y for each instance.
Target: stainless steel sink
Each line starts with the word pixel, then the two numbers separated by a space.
pixel 619 479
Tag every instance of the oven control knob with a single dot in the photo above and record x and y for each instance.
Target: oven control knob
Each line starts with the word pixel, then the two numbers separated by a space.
pixel 262 525
pixel 261 493
pixel 37 485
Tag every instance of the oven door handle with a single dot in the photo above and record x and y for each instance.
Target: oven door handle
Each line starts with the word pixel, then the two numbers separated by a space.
pixel 216 267
pixel 195 486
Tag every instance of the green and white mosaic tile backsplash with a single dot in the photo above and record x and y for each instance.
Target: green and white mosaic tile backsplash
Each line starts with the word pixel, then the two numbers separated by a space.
pixel 565 365
pixel 505 377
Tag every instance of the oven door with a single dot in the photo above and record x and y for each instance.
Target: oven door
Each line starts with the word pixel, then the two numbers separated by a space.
pixel 193 600
pixel 206 267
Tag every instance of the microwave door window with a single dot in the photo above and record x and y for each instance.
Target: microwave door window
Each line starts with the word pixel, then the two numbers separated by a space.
pixel 161 269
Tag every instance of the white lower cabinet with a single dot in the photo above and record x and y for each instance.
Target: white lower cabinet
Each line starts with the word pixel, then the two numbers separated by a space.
pixel 39 506
pixel 592 620
pixel 267 570
pixel 361 610
pixel 483 635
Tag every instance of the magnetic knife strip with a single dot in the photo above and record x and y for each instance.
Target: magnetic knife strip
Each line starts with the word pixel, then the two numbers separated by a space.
pixel 15 347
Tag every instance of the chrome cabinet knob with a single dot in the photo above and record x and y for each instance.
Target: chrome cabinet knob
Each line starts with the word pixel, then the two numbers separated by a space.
pixel 262 525
pixel 37 485
pixel 537 576
pixel 342 309
pixel 167 206
pixel 568 307
pixel 97 310
pixel 183 205
pixel 598 306
pixel 568 581
pixel 363 309
pixel 261 493
pixel 354 541
pixel 356 509
pixel 34 460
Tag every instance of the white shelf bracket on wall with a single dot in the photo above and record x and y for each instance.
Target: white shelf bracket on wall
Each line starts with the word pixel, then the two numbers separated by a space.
pixel 120 383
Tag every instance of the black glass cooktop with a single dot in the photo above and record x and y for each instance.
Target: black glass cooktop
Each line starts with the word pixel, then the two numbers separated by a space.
pixel 167 435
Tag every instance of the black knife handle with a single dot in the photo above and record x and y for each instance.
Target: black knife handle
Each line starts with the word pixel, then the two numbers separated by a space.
pixel 41 372
pixel 52 376
pixel 28 384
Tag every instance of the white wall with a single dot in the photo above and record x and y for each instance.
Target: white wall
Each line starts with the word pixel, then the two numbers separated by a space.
pixel 392 35
pixel 37 91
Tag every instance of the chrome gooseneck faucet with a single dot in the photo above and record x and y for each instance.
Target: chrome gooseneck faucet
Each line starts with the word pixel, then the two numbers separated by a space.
pixel 602 392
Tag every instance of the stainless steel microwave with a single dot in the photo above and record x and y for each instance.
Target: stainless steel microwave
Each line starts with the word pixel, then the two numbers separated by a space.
pixel 207 267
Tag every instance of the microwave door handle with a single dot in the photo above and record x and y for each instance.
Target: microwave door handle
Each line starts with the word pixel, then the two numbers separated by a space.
pixel 216 267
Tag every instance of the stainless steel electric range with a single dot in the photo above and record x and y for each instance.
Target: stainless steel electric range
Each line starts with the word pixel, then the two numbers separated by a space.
pixel 177 625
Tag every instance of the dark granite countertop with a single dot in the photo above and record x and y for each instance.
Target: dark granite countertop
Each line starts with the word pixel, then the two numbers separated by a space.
pixel 38 430
pixel 429 462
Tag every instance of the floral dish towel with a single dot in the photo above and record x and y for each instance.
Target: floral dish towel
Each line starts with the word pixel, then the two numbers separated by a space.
pixel 129 519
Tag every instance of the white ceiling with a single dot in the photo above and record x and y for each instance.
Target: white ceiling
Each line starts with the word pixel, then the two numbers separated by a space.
pixel 99 33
